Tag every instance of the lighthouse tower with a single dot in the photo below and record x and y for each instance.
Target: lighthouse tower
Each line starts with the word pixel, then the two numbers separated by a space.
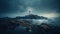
pixel 29 9
pixel 30 12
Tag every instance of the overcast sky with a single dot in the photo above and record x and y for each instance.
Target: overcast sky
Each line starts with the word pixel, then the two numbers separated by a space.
pixel 13 8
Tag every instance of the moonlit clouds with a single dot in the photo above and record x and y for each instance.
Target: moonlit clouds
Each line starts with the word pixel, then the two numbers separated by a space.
pixel 14 8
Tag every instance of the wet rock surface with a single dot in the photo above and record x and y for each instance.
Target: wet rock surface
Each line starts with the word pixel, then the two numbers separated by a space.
pixel 14 26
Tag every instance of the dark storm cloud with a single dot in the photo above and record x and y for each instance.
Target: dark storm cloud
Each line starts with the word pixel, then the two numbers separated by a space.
pixel 7 6
pixel 19 6
pixel 48 4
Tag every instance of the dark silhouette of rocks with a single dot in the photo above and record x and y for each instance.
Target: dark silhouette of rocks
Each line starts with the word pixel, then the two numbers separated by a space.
pixel 31 16
pixel 12 26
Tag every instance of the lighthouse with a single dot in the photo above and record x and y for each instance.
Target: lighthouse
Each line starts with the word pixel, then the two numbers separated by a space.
pixel 30 12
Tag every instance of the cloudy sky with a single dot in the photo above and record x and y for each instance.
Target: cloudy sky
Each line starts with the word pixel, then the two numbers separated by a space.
pixel 13 8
